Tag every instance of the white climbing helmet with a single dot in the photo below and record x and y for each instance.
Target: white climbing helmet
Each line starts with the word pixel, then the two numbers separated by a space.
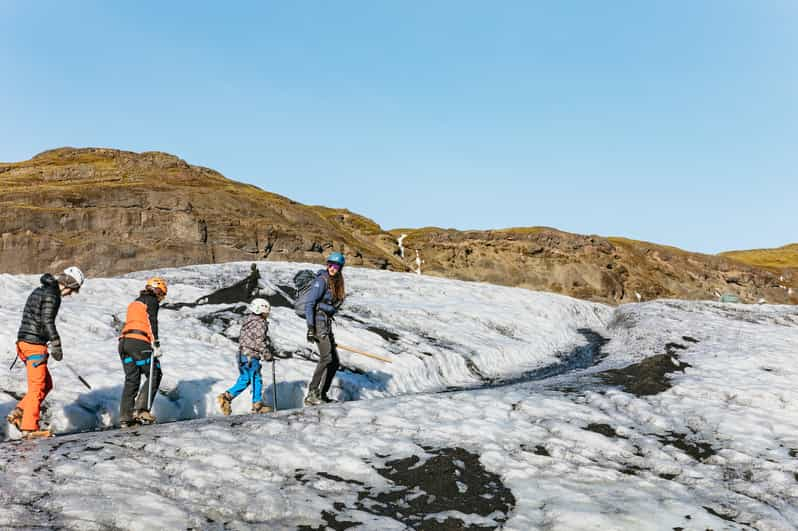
pixel 260 306
pixel 76 275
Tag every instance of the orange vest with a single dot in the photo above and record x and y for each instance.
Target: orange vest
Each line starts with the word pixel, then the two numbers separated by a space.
pixel 137 324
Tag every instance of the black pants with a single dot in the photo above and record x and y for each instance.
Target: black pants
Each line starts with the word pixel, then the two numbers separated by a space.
pixel 328 362
pixel 135 355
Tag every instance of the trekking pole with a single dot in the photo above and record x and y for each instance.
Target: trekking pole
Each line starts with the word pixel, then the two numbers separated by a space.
pixel 152 365
pixel 274 385
pixel 78 376
pixel 356 351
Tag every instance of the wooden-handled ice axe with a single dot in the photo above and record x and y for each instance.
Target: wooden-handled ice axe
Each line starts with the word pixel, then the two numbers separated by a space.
pixel 367 354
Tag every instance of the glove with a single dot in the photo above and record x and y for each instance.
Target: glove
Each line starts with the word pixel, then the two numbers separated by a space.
pixel 312 335
pixel 55 350
pixel 328 309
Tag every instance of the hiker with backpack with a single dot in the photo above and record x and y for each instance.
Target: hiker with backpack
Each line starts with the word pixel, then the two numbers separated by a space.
pixel 35 332
pixel 254 346
pixel 321 301
pixel 140 352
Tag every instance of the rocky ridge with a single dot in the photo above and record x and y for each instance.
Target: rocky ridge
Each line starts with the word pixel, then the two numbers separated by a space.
pixel 113 211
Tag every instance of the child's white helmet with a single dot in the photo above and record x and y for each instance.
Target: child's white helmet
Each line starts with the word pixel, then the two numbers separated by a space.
pixel 260 307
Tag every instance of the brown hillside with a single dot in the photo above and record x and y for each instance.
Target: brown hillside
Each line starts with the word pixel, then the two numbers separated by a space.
pixel 612 270
pixel 113 211
pixel 782 258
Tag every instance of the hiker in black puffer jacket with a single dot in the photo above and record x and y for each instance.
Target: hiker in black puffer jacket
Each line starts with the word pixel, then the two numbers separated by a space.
pixel 38 317
pixel 35 332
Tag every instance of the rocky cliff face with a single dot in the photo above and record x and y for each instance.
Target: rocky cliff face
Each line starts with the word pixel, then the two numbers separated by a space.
pixel 112 211
pixel 613 270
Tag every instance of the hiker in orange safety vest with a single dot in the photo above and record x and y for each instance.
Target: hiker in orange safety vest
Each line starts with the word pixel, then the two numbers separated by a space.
pixel 139 348
pixel 35 332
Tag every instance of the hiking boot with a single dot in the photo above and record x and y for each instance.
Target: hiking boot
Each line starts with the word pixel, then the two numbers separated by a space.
pixel 129 423
pixel 260 407
pixel 326 399
pixel 224 400
pixel 15 418
pixel 313 398
pixel 36 434
pixel 144 417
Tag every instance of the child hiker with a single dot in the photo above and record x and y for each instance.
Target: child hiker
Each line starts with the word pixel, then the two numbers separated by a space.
pixel 254 346
pixel 35 332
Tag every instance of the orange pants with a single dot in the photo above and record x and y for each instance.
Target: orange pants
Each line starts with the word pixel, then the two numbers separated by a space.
pixel 39 383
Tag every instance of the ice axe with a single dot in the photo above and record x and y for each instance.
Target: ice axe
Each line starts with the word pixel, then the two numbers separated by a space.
pixel 16 357
pixel 78 376
pixel 362 353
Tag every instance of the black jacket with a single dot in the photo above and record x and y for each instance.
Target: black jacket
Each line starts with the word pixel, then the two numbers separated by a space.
pixel 38 318
pixel 152 304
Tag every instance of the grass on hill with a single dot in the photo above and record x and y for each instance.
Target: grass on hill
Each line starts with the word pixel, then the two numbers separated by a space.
pixel 780 258
pixel 358 222
pixel 628 242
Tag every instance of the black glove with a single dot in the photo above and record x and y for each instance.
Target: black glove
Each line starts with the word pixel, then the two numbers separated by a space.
pixel 55 350
pixel 312 335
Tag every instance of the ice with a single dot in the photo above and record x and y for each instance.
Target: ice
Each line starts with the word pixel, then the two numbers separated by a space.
pixel 495 412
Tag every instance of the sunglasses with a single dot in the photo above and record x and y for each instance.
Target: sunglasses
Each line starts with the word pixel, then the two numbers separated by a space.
pixel 333 266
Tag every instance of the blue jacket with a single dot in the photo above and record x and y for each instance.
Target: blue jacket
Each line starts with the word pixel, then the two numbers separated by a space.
pixel 321 298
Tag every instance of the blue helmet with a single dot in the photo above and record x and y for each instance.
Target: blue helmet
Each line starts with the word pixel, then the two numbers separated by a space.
pixel 336 258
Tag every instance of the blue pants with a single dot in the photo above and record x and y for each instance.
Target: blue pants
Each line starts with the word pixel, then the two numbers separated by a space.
pixel 249 373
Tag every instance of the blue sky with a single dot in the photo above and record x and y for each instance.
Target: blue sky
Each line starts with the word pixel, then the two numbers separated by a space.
pixel 668 121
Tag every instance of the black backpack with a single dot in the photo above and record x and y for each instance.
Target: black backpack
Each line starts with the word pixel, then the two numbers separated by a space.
pixel 303 281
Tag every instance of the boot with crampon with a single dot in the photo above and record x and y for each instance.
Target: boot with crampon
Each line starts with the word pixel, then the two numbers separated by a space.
pixel 36 434
pixel 15 418
pixel 260 407
pixel 225 403
pixel 144 417
pixel 313 398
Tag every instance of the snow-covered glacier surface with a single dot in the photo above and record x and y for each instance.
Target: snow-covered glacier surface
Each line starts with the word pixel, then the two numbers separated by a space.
pixel 502 408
